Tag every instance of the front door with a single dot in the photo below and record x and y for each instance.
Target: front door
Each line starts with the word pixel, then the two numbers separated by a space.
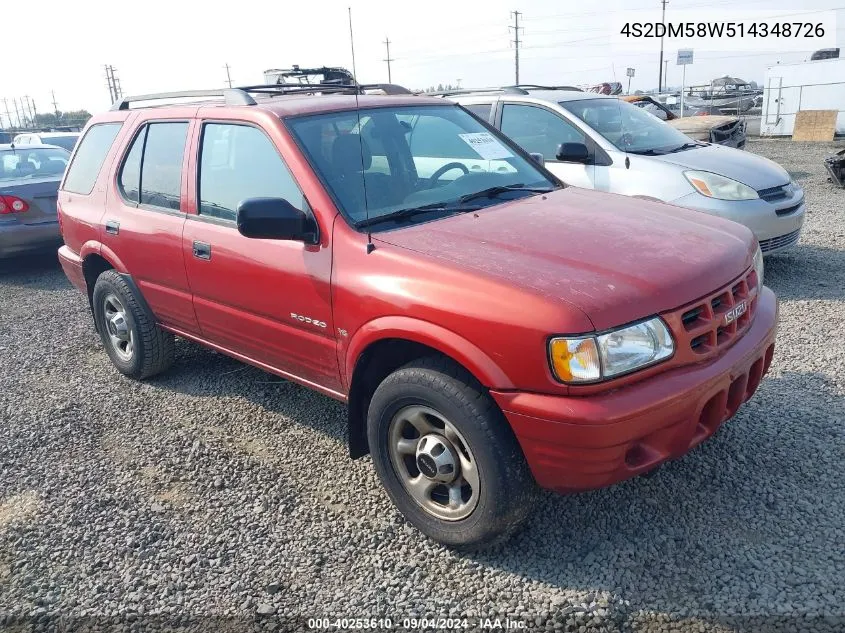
pixel 541 131
pixel 268 300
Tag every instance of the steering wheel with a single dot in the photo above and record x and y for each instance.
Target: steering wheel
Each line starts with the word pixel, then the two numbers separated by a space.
pixel 432 181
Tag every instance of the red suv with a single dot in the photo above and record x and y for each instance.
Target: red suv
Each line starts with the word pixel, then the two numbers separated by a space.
pixel 490 329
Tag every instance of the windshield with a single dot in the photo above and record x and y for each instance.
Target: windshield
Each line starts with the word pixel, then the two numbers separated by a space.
pixel 627 127
pixel 403 158
pixel 32 163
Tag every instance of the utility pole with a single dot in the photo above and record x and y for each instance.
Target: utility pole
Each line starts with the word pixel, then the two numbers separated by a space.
pixel 388 58
pixel 8 114
pixel 115 93
pixel 55 105
pixel 17 112
pixel 660 66
pixel 228 76
pixel 29 109
pixel 666 72
pixel 515 41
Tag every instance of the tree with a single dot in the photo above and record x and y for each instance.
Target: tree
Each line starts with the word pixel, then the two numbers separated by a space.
pixel 76 118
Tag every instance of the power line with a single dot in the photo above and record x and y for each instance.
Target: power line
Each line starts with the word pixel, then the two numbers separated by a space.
pixel 388 58
pixel 515 41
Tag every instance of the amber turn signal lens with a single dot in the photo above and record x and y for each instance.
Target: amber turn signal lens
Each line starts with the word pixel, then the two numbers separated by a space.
pixel 575 359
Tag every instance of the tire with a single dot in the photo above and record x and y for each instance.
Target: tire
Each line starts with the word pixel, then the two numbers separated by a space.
pixel 133 341
pixel 475 433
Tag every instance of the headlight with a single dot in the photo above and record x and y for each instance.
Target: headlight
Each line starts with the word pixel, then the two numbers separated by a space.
pixel 715 186
pixel 592 358
pixel 758 266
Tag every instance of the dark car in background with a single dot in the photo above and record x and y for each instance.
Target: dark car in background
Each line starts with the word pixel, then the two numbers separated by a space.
pixel 29 182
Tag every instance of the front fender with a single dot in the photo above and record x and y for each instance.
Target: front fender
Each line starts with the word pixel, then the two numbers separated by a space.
pixel 477 362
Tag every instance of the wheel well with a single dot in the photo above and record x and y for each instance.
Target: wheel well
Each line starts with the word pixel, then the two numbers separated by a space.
pixel 92 267
pixel 375 363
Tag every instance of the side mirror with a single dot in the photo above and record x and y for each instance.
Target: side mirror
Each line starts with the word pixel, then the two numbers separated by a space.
pixel 573 153
pixel 274 219
pixel 537 157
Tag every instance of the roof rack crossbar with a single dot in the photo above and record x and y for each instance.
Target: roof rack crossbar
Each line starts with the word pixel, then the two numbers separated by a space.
pixel 231 96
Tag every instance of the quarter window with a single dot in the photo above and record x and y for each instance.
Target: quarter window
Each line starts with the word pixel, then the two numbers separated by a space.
pixel 238 162
pixel 538 130
pixel 89 158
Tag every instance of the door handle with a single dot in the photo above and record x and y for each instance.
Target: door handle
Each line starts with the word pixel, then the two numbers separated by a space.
pixel 202 250
pixel 113 227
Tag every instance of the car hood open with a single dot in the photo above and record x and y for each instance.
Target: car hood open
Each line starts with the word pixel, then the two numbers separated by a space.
pixel 616 258
pixel 753 170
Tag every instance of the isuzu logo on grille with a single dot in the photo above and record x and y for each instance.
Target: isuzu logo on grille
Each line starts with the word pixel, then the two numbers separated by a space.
pixel 737 311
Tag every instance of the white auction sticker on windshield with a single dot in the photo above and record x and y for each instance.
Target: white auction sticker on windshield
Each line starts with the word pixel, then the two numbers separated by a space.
pixel 487 146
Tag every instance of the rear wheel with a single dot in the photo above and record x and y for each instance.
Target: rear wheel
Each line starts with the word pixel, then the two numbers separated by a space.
pixel 133 341
pixel 447 456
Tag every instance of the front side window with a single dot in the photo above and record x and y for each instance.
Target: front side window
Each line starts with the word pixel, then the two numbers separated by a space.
pixel 89 158
pixel 412 162
pixel 238 162
pixel 627 127
pixel 538 130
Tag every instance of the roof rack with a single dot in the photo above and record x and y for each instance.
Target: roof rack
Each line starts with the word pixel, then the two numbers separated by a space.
pixel 468 91
pixel 539 87
pixel 243 94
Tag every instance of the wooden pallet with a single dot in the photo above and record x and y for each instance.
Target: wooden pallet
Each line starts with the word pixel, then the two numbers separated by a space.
pixel 814 125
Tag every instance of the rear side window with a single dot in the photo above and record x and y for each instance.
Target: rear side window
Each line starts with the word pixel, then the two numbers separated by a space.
pixel 161 169
pixel 239 162
pixel 89 159
pixel 151 173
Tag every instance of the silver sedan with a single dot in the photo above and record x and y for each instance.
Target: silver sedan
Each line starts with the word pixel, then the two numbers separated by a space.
pixel 603 143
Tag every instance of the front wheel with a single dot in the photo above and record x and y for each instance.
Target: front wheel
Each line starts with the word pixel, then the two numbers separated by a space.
pixel 447 456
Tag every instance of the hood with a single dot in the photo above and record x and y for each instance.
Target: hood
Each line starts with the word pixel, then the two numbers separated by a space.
pixel 753 170
pixel 701 123
pixel 616 258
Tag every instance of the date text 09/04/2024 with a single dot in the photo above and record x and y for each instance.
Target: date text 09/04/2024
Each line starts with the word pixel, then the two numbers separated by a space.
pixel 415 624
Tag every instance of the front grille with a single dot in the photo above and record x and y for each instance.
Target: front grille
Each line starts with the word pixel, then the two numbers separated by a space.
pixel 773 194
pixel 705 327
pixel 779 242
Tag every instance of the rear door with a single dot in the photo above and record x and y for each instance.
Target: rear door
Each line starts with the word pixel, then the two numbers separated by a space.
pixel 144 219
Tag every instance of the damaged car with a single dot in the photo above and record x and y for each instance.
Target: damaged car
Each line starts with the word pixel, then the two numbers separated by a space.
pixel 713 128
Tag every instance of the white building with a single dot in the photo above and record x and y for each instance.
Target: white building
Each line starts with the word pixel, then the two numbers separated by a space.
pixel 812 85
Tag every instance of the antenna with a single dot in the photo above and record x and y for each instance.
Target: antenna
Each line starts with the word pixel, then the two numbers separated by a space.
pixel 370 246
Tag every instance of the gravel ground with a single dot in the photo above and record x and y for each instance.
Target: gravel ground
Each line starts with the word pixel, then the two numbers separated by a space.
pixel 217 497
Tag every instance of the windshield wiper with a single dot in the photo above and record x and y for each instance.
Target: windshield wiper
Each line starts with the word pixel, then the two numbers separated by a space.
pixel 681 148
pixel 410 212
pixel 645 152
pixel 495 191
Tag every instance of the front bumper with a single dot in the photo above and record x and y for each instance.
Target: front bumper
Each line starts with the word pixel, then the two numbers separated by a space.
pixel 777 225
pixel 17 238
pixel 581 443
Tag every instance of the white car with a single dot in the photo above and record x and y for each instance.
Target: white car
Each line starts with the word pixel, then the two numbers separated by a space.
pixel 601 142
pixel 66 140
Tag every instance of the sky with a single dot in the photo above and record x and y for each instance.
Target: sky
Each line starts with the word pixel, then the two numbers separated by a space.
pixel 166 45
